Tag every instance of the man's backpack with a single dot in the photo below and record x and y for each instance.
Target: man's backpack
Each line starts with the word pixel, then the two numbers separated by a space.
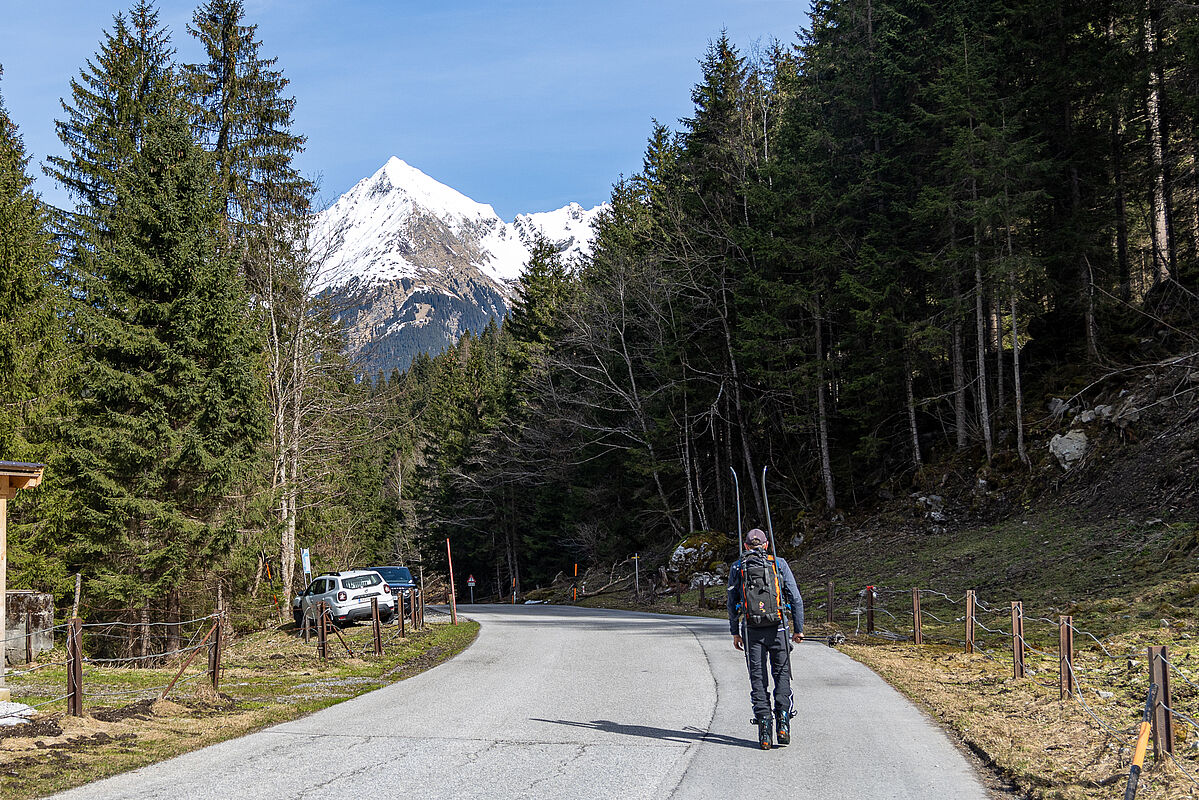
pixel 760 587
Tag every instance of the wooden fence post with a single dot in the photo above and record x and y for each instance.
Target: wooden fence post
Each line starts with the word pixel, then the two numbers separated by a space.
pixel 375 626
pixel 917 633
pixel 214 654
pixel 869 609
pixel 75 667
pixel 1163 726
pixel 1017 639
pixel 322 632
pixel 400 611
pixel 1065 650
pixel 828 608
pixel 413 599
pixel 969 620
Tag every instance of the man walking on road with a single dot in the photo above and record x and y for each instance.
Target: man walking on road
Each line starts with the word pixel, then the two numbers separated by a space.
pixel 761 592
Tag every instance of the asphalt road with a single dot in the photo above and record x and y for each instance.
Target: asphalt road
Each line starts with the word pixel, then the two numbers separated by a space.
pixel 561 702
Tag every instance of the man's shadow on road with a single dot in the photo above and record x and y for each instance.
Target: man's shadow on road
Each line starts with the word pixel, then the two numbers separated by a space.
pixel 685 736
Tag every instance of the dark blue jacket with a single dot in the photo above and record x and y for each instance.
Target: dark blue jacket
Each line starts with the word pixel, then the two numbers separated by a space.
pixel 791 598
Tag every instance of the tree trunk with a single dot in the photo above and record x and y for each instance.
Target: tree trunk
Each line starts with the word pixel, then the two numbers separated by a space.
pixel 1116 135
pixel 688 467
pixel 958 357
pixel 913 431
pixel 997 339
pixel 728 447
pixel 1086 277
pixel 1162 229
pixel 738 409
pixel 144 643
pixel 1019 392
pixel 1123 268
pixel 826 468
pixel 292 487
pixel 173 616
pixel 980 322
pixel 1193 156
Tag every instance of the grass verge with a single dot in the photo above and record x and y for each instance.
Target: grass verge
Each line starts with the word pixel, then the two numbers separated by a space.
pixel 269 677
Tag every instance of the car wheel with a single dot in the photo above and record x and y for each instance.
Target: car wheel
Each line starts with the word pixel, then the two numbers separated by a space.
pixel 298 617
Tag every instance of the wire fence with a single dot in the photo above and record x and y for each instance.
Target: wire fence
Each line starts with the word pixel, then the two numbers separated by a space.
pixel 996 632
pixel 37 685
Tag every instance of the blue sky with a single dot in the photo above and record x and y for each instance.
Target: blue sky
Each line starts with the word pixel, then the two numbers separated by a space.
pixel 525 105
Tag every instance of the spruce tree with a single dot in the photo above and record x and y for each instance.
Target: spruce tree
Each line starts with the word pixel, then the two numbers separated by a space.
pixel 243 118
pixel 534 321
pixel 32 363
pixel 27 299
pixel 169 405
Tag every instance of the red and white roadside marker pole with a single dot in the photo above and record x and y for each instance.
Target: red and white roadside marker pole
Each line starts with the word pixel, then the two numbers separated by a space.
pixel 453 601
pixel 471 583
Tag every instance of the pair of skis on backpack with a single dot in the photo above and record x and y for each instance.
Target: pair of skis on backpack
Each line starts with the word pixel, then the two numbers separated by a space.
pixel 778 729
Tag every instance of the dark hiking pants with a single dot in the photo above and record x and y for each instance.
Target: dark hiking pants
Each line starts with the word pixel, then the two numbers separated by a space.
pixel 764 645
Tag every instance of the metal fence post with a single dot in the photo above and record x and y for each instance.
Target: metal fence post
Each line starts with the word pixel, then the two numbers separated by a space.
pixel 917 633
pixel 1065 650
pixel 1017 639
pixel 828 608
pixel 1163 726
pixel 969 620
pixel 75 667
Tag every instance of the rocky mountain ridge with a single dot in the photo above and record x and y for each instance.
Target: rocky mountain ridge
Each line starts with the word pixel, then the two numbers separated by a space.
pixel 409 264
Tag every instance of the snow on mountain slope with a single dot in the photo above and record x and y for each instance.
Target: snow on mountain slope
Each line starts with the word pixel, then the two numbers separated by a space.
pixel 414 263
pixel 401 223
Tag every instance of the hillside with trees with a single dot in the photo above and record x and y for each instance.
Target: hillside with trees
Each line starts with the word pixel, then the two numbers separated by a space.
pixel 896 255
pixel 869 262
pixel 164 353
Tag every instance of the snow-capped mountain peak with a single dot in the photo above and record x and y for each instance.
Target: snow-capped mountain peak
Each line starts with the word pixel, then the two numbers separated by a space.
pixel 415 262
pixel 401 223
pixel 408 187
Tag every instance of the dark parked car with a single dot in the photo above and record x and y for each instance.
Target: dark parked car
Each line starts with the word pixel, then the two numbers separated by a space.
pixel 401 583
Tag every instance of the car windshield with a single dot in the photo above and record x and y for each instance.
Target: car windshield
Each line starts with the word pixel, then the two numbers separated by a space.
pixel 395 574
pixel 361 581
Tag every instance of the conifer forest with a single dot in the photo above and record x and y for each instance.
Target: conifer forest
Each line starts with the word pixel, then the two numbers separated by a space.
pixel 869 253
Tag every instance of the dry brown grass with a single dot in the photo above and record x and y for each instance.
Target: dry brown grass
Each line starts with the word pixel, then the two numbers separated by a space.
pixel 1047 747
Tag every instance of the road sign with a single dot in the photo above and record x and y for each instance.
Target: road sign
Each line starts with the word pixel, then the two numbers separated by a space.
pixel 306 561
pixel 470 581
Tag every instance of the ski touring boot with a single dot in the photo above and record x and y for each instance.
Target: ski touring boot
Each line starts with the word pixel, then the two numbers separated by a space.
pixel 783 728
pixel 764 732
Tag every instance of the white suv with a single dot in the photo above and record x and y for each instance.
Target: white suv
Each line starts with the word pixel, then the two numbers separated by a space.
pixel 348 595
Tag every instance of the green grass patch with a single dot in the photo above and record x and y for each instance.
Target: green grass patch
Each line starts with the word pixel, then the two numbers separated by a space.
pixel 268 677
